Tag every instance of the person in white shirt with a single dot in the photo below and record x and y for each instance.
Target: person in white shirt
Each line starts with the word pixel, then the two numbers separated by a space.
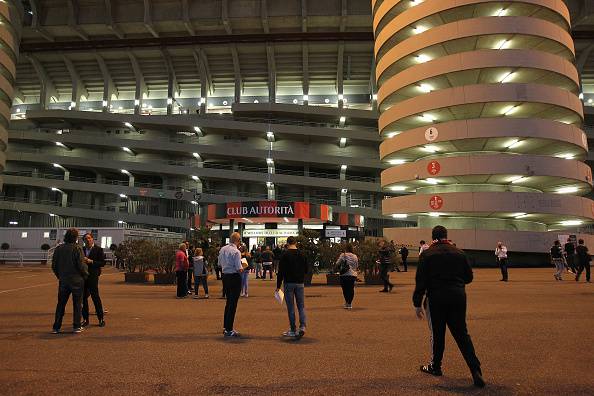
pixel 230 262
pixel 501 254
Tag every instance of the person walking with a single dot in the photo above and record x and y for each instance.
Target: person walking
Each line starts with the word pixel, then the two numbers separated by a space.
pixel 442 274
pixel 404 255
pixel 276 255
pixel 557 260
pixel 247 258
pixel 348 263
pixel 385 260
pixel 71 271
pixel 200 272
pixel 94 258
pixel 569 248
pixel 291 271
pixel 501 255
pixel 230 262
pixel 181 271
pixel 257 259
pixel 583 259
pixel 267 259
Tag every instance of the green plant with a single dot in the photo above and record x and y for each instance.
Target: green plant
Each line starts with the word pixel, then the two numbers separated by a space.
pixel 367 252
pixel 165 256
pixel 328 254
pixel 139 255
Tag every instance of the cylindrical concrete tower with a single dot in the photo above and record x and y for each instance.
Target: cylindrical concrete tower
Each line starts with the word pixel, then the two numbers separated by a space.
pixel 480 116
pixel 10 25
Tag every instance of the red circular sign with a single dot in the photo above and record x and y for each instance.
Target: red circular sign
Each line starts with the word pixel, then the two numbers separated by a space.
pixel 433 168
pixel 436 202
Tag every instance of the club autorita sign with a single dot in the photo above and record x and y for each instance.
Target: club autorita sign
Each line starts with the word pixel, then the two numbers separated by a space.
pixel 256 211
pixel 269 209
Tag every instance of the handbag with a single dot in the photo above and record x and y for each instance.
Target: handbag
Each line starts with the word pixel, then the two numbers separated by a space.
pixel 344 267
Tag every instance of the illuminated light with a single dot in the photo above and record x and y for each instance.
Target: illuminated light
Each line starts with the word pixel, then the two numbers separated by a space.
pixel 196 155
pixel 136 102
pixel 431 181
pixel 305 97
pixel 344 190
pixel 197 130
pixel 391 135
pixel 516 144
pixel 415 2
pixel 269 184
pixel 123 196
pixel 150 107
pixel 120 108
pixel 510 110
pixel 430 149
pixel 566 156
pixel 57 165
pixel 567 190
pixel 425 88
pixel 503 44
pixel 501 12
pixel 340 97
pixel 295 101
pixel 270 135
pixel 522 216
pixel 202 101
pixel 400 215
pixel 55 189
pixel 125 172
pixel 516 215
pixel 169 101
pixel 342 119
pixel 571 223
pixel 396 162
pixel 581 96
pixel 422 58
pixel 517 179
pixel 60 144
pixel 126 149
pixel 194 202
pixel 419 29
pixel 52 214
pixel 128 125
pixel 434 214
pixel 121 221
pixel 195 178
pixel 374 97
pixel 256 101
pixel 398 188
pixel 269 161
pixel 104 103
pixel 72 104
pixel 427 118
pixel 507 77
pixel 326 100
pixel 225 103
pixel 13 222
pixel 343 167
pixel 343 142
pixel 590 101
pixel 144 105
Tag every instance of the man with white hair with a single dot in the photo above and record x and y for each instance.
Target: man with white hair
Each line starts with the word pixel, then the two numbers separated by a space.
pixel 230 263
pixel 501 254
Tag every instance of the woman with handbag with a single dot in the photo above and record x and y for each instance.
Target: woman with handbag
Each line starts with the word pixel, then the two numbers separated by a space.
pixel 200 272
pixel 347 264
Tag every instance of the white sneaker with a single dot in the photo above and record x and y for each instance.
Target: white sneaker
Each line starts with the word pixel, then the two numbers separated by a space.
pixel 349 306
pixel 196 296
pixel 242 295
pixel 289 333
pixel 246 295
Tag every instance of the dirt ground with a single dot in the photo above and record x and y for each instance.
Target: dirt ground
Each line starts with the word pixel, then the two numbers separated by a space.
pixel 533 335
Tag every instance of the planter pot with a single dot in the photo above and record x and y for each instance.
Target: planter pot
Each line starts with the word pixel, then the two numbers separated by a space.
pixel 332 279
pixel 165 279
pixel 136 277
pixel 373 279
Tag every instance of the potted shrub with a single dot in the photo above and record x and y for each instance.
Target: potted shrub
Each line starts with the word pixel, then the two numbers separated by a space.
pixel 138 255
pixel 305 243
pixel 367 251
pixel 165 268
pixel 328 255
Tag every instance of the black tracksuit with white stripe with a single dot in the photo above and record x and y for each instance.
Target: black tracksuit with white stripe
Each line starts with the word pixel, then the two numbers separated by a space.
pixel 442 274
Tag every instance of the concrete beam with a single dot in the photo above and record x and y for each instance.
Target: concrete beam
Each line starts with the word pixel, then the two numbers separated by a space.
pixel 73 19
pixel 343 15
pixel 35 24
pixel 264 16
pixel 173 89
pixel 271 73
pixel 305 59
pixel 109 87
pixel 78 87
pixel 304 16
pixel 225 16
pixel 47 88
pixel 237 71
pixel 206 86
pixel 186 18
pixel 110 22
pixel 340 73
pixel 148 20
pixel 141 87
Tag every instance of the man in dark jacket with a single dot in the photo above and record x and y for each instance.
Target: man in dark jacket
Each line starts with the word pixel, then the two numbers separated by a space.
pixel 404 255
pixel 71 271
pixel 442 274
pixel 385 260
pixel 94 258
pixel 583 260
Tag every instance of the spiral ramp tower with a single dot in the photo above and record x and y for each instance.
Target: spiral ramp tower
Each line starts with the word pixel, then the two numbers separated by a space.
pixel 481 119
pixel 10 25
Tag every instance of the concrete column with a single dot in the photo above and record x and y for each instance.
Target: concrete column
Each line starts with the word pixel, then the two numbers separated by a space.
pixel 300 225
pixel 64 200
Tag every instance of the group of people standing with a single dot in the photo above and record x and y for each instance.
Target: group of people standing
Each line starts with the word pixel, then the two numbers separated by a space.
pixel 571 258
pixel 190 262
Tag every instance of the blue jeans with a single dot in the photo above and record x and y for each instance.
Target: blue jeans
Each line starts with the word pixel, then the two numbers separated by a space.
pixel 295 292
pixel 201 280
pixel 244 281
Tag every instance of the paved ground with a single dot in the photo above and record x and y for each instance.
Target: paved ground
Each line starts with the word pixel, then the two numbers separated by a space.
pixel 533 335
